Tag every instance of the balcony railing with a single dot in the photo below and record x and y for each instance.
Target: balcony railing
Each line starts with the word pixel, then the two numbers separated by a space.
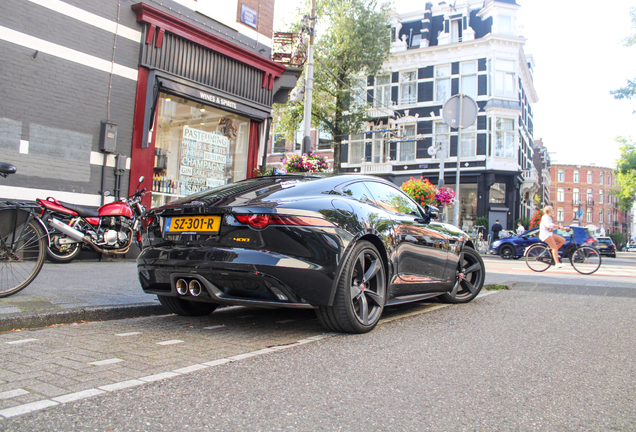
pixel 380 111
pixel 590 203
pixel 576 201
pixel 375 168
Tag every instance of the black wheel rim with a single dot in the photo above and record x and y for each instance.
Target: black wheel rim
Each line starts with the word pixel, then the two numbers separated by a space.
pixel 468 277
pixel 506 253
pixel 368 287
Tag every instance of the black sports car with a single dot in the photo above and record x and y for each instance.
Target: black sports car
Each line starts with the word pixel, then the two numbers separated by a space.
pixel 346 246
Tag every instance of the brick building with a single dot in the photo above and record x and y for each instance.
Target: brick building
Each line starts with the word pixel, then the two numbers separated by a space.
pixel 184 89
pixel 584 195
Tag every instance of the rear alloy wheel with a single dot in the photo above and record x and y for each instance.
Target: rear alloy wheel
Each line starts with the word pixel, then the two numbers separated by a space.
pixel 186 308
pixel 360 295
pixel 62 254
pixel 507 252
pixel 469 278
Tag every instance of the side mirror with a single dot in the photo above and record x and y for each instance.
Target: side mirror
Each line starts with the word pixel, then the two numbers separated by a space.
pixel 431 211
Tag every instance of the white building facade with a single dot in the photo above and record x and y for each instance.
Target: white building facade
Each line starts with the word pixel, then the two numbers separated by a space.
pixel 474 48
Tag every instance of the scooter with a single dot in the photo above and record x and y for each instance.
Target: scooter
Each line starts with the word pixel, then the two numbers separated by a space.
pixel 111 229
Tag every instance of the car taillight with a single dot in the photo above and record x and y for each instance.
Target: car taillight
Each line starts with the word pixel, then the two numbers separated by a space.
pixel 590 240
pixel 146 221
pixel 260 221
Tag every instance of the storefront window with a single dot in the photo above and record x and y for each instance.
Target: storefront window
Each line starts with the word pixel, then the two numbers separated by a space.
pixel 196 147
pixel 467 209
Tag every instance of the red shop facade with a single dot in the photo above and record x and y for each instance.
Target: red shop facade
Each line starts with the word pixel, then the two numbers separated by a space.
pixel 202 108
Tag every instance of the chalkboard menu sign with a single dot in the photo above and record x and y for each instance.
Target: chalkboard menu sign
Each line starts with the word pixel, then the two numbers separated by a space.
pixel 202 160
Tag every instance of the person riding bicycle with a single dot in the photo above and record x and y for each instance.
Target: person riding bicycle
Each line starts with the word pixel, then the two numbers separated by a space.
pixel 555 241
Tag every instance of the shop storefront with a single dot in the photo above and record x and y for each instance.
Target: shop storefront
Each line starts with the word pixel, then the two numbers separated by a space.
pixel 203 108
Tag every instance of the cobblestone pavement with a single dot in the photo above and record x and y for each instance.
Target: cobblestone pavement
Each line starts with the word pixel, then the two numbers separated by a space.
pixel 61 364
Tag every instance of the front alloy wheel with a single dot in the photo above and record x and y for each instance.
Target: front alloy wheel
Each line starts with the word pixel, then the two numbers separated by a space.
pixel 469 278
pixel 360 295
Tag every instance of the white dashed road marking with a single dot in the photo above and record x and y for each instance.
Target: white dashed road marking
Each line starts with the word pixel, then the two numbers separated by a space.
pixel 106 362
pixel 170 342
pixel 21 341
pixel 128 334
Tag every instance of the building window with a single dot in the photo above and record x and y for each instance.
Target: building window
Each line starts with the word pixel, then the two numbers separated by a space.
pixel 576 176
pixel 408 87
pixel 588 215
pixel 505 78
pixel 561 194
pixel 441 137
pixel 609 179
pixel 469 79
pixel 560 214
pixel 469 141
pixel 324 140
pixel 505 138
pixel 279 143
pixel 498 193
pixel 456 30
pixel 382 91
pixel 359 92
pixel 356 148
pixel 600 216
pixel 378 145
pixel 601 178
pixel 505 25
pixel 443 83
pixel 590 177
pixel 590 197
pixel 600 195
pixel 576 197
pixel 609 216
pixel 197 147
pixel 561 177
pixel 407 146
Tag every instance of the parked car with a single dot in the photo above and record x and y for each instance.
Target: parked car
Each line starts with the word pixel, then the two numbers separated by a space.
pixel 606 246
pixel 514 247
pixel 630 247
pixel 346 246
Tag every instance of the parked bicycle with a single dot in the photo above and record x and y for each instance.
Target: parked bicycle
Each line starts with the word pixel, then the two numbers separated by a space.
pixel 23 242
pixel 585 259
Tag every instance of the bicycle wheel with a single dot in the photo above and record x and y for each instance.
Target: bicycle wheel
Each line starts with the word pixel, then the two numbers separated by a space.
pixel 538 257
pixel 22 253
pixel 585 260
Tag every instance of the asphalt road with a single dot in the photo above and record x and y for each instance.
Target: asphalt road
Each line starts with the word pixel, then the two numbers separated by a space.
pixel 512 360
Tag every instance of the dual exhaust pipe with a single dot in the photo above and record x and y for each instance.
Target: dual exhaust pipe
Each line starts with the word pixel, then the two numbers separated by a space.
pixel 184 287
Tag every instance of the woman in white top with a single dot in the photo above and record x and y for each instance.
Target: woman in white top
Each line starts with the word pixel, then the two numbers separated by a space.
pixel 545 234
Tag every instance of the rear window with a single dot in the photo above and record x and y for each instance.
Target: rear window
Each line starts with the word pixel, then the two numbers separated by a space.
pixel 605 241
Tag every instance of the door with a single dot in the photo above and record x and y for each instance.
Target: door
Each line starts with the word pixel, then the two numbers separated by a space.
pixel 419 249
pixel 494 215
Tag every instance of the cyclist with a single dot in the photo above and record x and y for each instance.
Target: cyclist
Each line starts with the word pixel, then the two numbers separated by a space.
pixel 555 241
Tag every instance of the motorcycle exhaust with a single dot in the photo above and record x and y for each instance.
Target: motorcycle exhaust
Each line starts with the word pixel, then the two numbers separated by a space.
pixel 195 287
pixel 182 287
pixel 79 236
pixel 68 230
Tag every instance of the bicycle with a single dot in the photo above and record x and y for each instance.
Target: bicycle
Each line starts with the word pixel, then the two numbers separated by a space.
pixel 585 259
pixel 23 242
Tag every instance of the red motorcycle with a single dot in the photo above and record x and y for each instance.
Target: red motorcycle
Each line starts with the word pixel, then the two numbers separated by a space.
pixel 111 229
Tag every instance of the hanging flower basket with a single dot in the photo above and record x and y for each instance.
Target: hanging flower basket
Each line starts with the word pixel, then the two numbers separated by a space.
pixel 312 162
pixel 421 190
pixel 444 196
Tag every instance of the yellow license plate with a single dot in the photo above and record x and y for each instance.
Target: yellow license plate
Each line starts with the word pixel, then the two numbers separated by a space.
pixel 193 224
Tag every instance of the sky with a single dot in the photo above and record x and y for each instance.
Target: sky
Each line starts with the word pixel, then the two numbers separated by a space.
pixel 579 58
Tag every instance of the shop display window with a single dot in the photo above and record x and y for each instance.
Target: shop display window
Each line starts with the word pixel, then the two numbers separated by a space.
pixel 197 147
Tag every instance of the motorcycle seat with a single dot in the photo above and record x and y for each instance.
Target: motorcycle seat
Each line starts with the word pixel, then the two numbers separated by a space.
pixel 82 211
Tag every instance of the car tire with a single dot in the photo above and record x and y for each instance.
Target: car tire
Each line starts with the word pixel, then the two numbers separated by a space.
pixel 360 294
pixel 469 278
pixel 186 308
pixel 507 252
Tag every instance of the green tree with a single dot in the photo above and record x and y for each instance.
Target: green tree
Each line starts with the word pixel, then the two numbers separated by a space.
pixel 626 173
pixel 352 39
pixel 629 91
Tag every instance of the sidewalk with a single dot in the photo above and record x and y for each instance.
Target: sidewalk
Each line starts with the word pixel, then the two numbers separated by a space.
pixel 92 290
pixel 79 291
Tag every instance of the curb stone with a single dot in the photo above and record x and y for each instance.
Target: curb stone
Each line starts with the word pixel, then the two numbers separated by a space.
pixel 95 313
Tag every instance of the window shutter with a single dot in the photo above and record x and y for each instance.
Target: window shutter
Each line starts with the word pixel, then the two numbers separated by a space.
pixel 482 85
pixel 393 151
pixel 394 94
pixel 370 96
pixel 454 86
pixel 395 77
pixel 427 72
pixel 453 145
pixel 481 65
pixel 370 80
pixel 425 91
pixel 344 153
pixel 422 146
pixel 481 144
